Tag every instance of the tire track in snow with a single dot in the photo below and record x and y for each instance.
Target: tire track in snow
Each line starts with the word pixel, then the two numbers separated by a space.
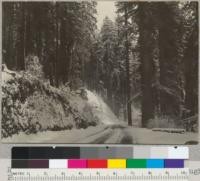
pixel 99 137
pixel 109 136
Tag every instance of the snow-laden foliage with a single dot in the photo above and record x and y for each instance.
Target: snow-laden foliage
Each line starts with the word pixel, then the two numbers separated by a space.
pixel 30 106
pixel 33 66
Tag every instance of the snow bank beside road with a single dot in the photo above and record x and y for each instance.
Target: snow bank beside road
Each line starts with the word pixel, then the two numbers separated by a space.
pixel 33 108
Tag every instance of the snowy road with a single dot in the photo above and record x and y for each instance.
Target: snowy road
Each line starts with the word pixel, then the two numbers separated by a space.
pixel 131 135
pixel 112 134
pixel 104 135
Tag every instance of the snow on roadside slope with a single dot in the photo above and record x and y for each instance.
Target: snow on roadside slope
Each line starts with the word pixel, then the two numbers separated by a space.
pixel 101 109
pixel 31 105
pixel 88 135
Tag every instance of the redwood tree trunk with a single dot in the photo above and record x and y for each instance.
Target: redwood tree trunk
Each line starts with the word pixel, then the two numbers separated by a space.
pixel 146 58
pixel 128 87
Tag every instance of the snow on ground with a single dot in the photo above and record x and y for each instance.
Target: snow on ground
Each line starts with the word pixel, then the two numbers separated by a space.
pixel 66 136
pixel 101 109
pixel 104 134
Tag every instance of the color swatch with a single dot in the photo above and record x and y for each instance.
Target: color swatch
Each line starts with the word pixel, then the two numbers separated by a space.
pixel 116 163
pixel 77 163
pixel 155 163
pixel 174 163
pixel 97 164
pixel 58 163
pixel 136 163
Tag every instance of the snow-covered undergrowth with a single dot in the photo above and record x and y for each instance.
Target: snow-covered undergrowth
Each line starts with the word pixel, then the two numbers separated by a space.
pixel 29 105
pixel 163 122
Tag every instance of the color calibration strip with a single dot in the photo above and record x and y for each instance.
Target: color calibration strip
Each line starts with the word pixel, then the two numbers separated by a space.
pixel 136 152
pixel 99 163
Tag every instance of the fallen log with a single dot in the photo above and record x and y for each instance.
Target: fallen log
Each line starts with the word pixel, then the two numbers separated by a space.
pixel 170 130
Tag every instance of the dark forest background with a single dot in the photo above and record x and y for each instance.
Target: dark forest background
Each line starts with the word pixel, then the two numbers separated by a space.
pixel 147 57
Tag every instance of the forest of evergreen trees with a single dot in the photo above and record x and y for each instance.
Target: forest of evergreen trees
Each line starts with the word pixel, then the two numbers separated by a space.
pixel 147 57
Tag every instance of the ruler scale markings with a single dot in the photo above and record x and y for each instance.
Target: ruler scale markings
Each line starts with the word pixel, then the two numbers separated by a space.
pixel 181 175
